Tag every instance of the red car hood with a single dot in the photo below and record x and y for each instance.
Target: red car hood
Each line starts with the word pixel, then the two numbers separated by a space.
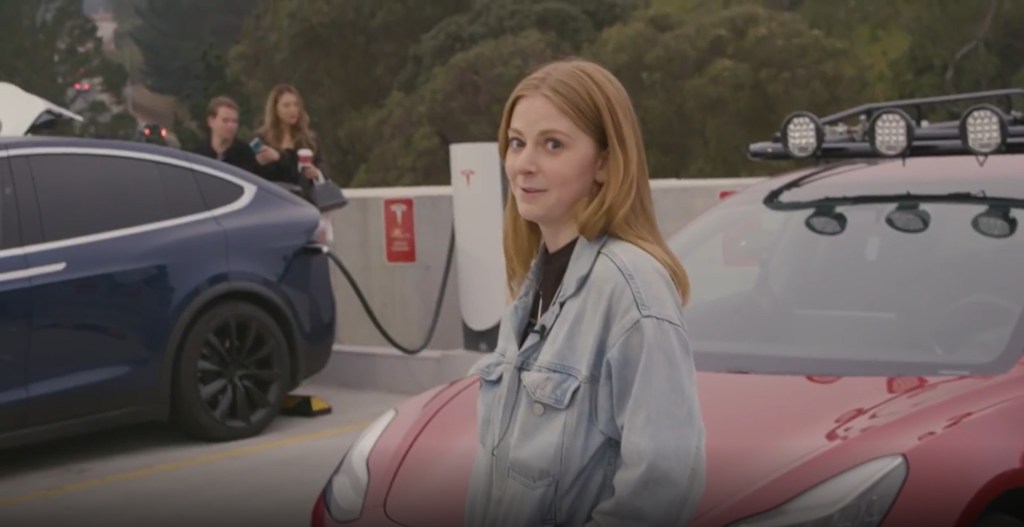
pixel 759 429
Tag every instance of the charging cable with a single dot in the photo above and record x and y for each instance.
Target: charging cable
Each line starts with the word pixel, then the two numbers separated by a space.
pixel 373 318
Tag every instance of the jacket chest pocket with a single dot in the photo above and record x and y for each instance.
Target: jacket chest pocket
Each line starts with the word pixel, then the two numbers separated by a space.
pixel 488 402
pixel 545 415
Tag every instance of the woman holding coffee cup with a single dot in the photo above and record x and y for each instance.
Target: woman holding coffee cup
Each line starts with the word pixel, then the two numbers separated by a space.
pixel 285 147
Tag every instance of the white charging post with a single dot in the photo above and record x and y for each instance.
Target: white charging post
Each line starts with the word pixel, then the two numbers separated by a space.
pixel 478 200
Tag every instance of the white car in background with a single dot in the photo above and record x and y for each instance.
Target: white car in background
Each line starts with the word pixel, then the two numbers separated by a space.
pixel 23 113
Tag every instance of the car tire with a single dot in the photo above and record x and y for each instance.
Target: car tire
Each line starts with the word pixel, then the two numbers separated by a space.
pixel 231 374
pixel 998 519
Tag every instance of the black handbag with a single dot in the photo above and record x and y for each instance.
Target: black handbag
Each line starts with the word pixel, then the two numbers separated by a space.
pixel 326 195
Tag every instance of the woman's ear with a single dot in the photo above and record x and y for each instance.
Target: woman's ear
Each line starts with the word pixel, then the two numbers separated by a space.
pixel 602 168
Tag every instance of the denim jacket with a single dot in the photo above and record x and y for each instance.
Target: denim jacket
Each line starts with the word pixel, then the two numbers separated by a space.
pixel 594 420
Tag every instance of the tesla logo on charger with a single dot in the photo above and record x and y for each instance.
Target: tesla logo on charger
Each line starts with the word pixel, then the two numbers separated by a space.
pixel 468 173
pixel 399 232
pixel 399 210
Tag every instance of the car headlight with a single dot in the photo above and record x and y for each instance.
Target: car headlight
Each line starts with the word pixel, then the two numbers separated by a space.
pixel 346 489
pixel 859 497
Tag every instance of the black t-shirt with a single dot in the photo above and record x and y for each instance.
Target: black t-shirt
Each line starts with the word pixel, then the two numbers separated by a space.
pixel 552 273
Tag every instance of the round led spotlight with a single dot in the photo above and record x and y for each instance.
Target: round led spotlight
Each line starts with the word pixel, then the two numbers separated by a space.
pixel 826 221
pixel 891 133
pixel 802 135
pixel 995 222
pixel 909 218
pixel 983 129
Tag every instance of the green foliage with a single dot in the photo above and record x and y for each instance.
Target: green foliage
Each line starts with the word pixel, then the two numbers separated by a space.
pixel 707 84
pixel 125 12
pixel 908 45
pixel 184 46
pixel 121 125
pixel 173 35
pixel 461 101
pixel 342 56
pixel 389 84
pixel 575 22
pixel 50 45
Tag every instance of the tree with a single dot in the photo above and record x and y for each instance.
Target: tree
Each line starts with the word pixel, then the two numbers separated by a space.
pixel 913 48
pixel 460 102
pixel 125 12
pixel 708 84
pixel 404 78
pixel 342 56
pixel 183 45
pixel 51 45
pixel 172 37
pixel 377 42
pixel 576 22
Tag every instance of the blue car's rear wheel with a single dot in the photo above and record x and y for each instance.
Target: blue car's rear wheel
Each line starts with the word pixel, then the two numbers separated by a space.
pixel 232 373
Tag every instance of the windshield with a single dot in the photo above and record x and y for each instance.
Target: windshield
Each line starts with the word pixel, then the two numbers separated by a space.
pixel 771 295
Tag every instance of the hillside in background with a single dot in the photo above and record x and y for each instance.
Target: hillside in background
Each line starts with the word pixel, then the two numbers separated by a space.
pixel 390 83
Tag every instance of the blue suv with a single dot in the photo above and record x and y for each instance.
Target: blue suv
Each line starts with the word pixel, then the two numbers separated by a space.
pixel 140 282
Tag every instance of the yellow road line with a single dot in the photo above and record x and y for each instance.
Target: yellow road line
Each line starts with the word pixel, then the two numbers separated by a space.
pixel 178 465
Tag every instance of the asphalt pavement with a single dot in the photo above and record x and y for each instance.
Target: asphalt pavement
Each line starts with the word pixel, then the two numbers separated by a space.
pixel 153 476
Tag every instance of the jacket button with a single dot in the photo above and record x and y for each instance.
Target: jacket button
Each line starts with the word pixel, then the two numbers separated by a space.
pixel 538 409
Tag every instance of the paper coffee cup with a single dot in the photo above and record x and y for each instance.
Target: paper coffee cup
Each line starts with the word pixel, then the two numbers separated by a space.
pixel 305 158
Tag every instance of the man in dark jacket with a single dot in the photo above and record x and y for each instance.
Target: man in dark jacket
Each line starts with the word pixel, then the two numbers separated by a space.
pixel 223 142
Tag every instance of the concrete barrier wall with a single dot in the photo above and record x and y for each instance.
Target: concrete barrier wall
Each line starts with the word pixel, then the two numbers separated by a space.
pixel 403 295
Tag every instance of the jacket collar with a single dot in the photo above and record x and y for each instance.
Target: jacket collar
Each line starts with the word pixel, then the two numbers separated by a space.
pixel 584 255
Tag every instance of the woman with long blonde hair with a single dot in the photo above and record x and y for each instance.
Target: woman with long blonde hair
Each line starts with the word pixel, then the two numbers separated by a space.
pixel 285 130
pixel 588 410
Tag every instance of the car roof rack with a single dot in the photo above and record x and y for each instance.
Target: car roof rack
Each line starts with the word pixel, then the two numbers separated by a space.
pixel 886 130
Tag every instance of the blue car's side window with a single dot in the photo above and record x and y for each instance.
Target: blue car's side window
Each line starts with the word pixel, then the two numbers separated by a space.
pixel 181 191
pixel 217 192
pixel 79 195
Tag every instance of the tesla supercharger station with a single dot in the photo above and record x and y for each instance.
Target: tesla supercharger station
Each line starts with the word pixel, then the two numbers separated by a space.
pixel 478 201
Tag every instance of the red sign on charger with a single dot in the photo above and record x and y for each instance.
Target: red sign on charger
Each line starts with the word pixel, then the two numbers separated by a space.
pixel 399 231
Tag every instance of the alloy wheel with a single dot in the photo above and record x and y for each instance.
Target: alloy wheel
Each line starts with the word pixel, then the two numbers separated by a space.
pixel 238 370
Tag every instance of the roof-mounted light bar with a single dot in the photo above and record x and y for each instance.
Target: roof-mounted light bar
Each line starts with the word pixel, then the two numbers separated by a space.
pixel 891 133
pixel 887 130
pixel 983 129
pixel 802 135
